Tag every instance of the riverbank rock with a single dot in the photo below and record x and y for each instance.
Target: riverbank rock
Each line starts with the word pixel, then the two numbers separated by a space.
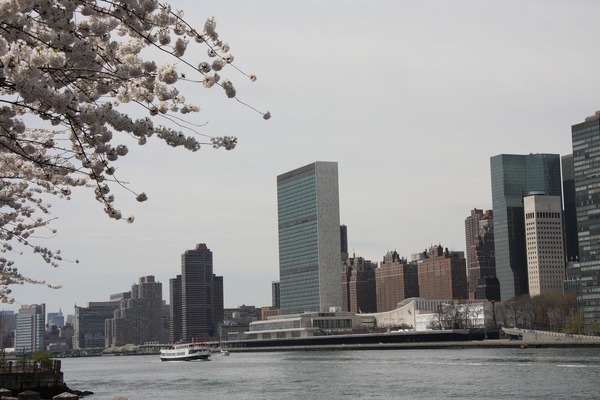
pixel 29 395
pixel 65 396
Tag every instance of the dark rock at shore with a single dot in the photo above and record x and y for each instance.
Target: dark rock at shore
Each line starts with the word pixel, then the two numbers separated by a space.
pixel 49 392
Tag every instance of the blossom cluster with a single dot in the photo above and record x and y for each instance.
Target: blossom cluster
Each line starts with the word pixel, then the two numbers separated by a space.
pixel 72 64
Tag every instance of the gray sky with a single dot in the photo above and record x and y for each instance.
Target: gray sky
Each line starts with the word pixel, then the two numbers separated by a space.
pixel 410 98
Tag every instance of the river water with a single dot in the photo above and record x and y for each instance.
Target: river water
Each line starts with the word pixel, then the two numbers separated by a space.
pixel 514 374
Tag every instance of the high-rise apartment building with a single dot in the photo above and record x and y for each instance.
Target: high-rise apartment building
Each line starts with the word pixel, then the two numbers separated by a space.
pixel 8 325
pixel 472 229
pixel 586 161
pixel 481 260
pixel 218 303
pixel 29 336
pixel 89 324
pixel 443 275
pixel 309 238
pixel 196 297
pixel 395 280
pixel 358 285
pixel 545 251
pixel 513 178
pixel 175 309
pixel 344 241
pixel 196 293
pixel 139 319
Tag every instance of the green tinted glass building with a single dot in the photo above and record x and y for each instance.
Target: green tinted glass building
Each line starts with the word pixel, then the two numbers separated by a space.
pixel 586 162
pixel 309 238
pixel 514 177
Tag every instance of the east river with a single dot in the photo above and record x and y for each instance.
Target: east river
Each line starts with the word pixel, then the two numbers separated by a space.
pixel 534 373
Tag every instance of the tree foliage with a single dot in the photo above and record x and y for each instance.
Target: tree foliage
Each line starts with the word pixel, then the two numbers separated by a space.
pixel 457 315
pixel 546 311
pixel 68 69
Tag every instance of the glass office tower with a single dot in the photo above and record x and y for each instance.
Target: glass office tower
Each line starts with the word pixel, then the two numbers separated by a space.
pixel 514 177
pixel 586 161
pixel 309 238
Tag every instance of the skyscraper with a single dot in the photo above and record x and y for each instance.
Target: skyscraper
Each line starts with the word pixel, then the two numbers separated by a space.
pixel 358 285
pixel 175 309
pixel 197 294
pixel 513 178
pixel 481 260
pixel 586 160
pixel 196 297
pixel 309 238
pixel 472 229
pixel 545 250
pixel 30 328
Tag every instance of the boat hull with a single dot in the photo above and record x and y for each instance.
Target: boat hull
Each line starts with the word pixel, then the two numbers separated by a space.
pixel 192 357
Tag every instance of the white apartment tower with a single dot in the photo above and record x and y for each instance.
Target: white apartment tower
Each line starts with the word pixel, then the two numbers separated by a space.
pixel 545 249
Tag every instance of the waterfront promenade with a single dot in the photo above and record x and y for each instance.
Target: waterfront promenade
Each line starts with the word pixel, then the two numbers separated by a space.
pixel 475 344
pixel 515 338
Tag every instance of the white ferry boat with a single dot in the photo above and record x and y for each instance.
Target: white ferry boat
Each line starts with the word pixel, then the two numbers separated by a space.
pixel 186 352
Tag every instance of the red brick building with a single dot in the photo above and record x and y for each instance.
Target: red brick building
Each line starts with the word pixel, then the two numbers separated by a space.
pixel 443 275
pixel 396 280
pixel 358 285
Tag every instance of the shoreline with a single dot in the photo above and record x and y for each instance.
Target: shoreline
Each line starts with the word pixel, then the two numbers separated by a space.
pixel 493 343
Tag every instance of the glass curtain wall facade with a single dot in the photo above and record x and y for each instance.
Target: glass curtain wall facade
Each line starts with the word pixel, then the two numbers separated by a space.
pixel 514 177
pixel 586 161
pixel 309 238
pixel 570 208
pixel 29 336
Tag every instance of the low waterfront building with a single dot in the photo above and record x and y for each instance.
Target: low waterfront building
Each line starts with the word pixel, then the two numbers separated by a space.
pixel 422 314
pixel 233 331
pixel 413 314
pixel 304 325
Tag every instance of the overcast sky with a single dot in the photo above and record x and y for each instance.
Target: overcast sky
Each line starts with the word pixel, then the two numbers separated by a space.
pixel 410 98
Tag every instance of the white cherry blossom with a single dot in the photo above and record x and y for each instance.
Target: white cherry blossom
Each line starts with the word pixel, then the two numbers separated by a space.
pixel 75 65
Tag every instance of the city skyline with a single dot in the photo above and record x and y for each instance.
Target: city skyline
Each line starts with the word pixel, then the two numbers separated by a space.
pixel 449 87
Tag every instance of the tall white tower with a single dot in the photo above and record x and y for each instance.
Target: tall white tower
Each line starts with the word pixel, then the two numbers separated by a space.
pixel 544 238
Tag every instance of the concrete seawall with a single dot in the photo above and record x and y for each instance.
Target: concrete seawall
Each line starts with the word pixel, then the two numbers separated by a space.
pixel 501 343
